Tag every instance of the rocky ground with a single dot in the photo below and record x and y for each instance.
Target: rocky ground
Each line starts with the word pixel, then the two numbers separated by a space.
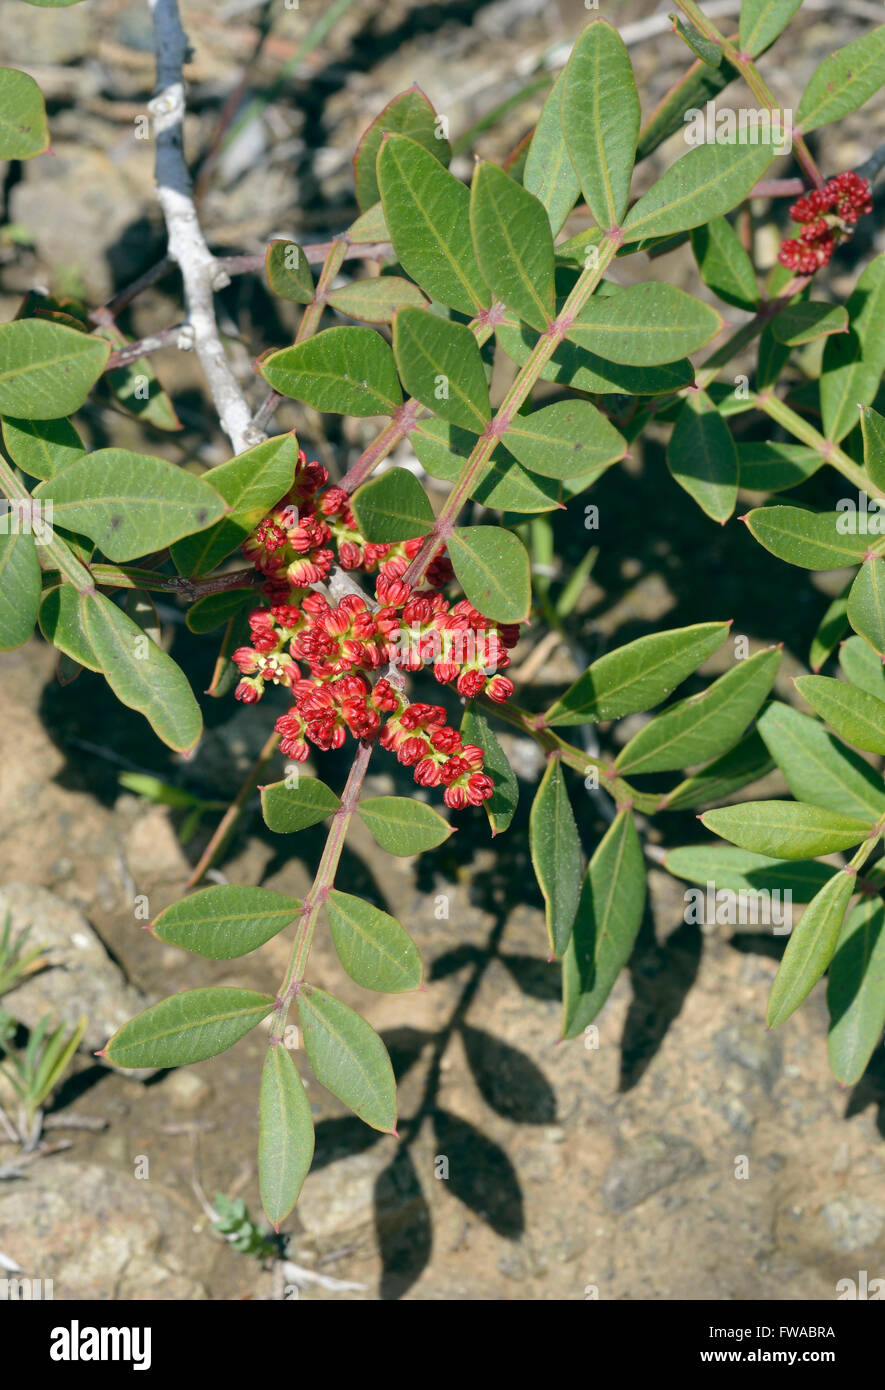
pixel 685 1152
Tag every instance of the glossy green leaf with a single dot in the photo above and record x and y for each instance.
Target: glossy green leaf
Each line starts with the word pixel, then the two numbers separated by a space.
pixel 739 871
pixel 141 674
pixel 568 439
pixel 645 324
pixel 862 667
pixel 427 212
pixel 376 300
pixel 392 507
pixel 866 604
pixel 857 717
pixel 440 364
pixel 130 504
pixel 812 540
pixel 705 725
pixel 787 829
pixel 810 948
pixel 251 484
pixel 637 676
pixel 513 244
pixel 288 272
pixel 556 854
pixel 61 622
pixel 843 81
pixel 548 169
pixel 705 183
pixel 606 924
pixel 701 456
pixel 188 1027
pixel 725 267
pixel 289 808
pixel 409 113
pixel 853 362
pixel 817 767
pixel 403 827
pixel 830 631
pixel 23 128
pixel 810 319
pixel 348 1058
pixel 771 466
pixel 42 447
pixel 347 371
pixel 739 767
pixel 285 1135
pixel 600 120
pixel 856 991
pixel 46 369
pixel 20 582
pixel 501 805
pixel 372 946
pixel 762 21
pixel 873 429
pixel 226 920
pixel 492 567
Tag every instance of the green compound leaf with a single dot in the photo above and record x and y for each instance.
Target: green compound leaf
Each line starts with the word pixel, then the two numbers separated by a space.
pixel 770 466
pixel 787 829
pixel 705 725
pixel 46 369
pixel 725 267
pixel 866 604
pixel 288 273
pixel 23 128
pixel 606 925
pixel 188 1027
pixel 745 763
pixel 856 991
pixel 251 484
pixel 873 429
pixel 810 948
pixel 140 674
pixel 410 113
pixel 556 855
pixel 701 456
pixel 376 300
pixel 42 447
pixel 20 582
pixel 501 805
pixel 403 827
pixel 853 362
pixel 225 921
pixel 427 212
pixel 492 567
pixel 762 21
pixel 348 1058
pixel 812 540
pixel 392 507
pixel 739 871
pixel 637 676
pixel 600 120
pixel 345 371
pixel 803 323
pixel 288 808
pixel 130 504
pixel 844 81
pixel 645 324
pixel 830 631
pixel 285 1135
pixel 513 244
pixel 705 183
pixel 570 439
pixel 440 364
pixel 573 366
pixel 372 946
pixel 856 716
pixel 548 169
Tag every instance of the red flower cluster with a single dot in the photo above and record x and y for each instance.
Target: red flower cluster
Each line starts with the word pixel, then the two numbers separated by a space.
pixel 341 645
pixel 827 216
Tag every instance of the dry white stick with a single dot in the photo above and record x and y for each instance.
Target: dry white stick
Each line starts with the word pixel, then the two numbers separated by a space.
pixel 200 271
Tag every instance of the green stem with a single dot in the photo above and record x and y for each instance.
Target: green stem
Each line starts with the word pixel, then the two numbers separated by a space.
pixel 837 458
pixel 63 560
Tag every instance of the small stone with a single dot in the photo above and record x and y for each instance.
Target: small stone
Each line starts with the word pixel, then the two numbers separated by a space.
pixel 649 1163
pixel 186 1089
pixel 853 1223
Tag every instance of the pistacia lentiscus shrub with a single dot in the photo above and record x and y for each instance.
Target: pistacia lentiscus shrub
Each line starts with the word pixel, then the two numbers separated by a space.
pixel 354 585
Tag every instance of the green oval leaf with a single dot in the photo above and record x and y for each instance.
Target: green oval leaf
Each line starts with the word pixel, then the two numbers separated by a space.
pixel 226 920
pixel 705 183
pixel 739 871
pixel 862 667
pixel 188 1027
pixel 348 1058
pixel 410 113
pixel 645 324
pixel 492 567
pixel 843 81
pixel 556 855
pixel 288 272
pixel 376 300
pixel 402 826
pixel 513 244
pixel 23 128
pixel 817 767
pixel 600 120
pixel 372 946
pixel 214 610
pixel 724 264
pixel 61 622
pixel 501 805
pixel 701 456
pixel 440 364
pixel 786 829
pixel 392 507
pixel 346 371
pixel 288 808
pixel 46 369
pixel 853 362
pixel 771 466
pixel 443 450
pixel 565 440
pixel 873 429
pixel 745 763
pixel 810 948
pixel 866 604
pixel 573 366
pixel 855 715
pixel 808 320
pixel 42 447
pixel 811 540
pixel 285 1135
pixel 548 172
pixel 762 21
pixel 20 583
pixel 856 991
